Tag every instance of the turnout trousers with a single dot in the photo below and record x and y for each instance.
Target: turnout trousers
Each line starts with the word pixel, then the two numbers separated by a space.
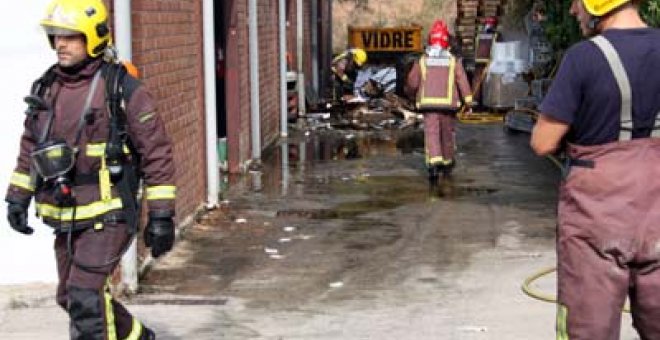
pixel 439 137
pixel 84 293
pixel 608 244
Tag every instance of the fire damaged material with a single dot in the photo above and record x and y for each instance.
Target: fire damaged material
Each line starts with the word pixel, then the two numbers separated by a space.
pixel 375 105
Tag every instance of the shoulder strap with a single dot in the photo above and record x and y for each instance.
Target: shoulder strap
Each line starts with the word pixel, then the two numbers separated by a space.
pixel 622 80
pixel 119 89
pixel 119 84
pixel 44 82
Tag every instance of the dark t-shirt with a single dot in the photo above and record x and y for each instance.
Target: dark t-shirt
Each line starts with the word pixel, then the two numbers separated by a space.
pixel 585 94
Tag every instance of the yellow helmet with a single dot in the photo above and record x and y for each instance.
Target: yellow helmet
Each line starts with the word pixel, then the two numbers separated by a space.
pixel 88 17
pixel 359 56
pixel 601 7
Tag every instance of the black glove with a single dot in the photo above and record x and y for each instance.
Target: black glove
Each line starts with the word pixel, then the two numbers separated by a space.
pixel 159 233
pixel 17 216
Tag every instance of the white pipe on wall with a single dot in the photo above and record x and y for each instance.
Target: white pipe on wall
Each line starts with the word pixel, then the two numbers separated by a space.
pixel 314 22
pixel 255 117
pixel 299 44
pixel 210 106
pixel 284 114
pixel 124 44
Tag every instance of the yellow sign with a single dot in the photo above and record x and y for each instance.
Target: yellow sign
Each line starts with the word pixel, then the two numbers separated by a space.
pixel 386 39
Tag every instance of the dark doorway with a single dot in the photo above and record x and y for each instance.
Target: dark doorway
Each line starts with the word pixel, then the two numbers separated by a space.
pixel 220 21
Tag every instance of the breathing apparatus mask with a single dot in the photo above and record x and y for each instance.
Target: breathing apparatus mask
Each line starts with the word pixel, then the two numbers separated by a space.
pixel 53 159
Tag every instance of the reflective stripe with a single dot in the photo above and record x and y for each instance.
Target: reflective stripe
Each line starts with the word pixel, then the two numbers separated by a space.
pixel 83 212
pixel 562 314
pixel 445 101
pixel 143 117
pixel 485 36
pixel 22 180
pixel 109 314
pixel 98 150
pixel 340 57
pixel 136 331
pixel 468 99
pixel 161 192
pixel 435 160
pixel 438 160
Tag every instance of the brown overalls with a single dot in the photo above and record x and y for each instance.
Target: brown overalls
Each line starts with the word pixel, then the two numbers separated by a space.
pixel 608 243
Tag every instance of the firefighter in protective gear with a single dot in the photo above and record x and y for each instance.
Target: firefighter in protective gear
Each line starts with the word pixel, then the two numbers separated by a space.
pixel 90 104
pixel 345 67
pixel 483 46
pixel 439 86
pixel 603 106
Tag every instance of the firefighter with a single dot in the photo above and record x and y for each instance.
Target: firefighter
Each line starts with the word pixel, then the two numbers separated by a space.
pixel 483 46
pixel 603 106
pixel 345 67
pixel 440 86
pixel 90 129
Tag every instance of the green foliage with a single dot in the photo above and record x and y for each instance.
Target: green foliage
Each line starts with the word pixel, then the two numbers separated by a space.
pixel 651 12
pixel 561 28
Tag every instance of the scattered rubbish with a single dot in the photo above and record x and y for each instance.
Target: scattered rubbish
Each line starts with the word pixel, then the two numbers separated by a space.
pixel 376 104
pixel 284 240
pixel 276 256
pixel 271 250
pixel 304 237
pixel 289 229
pixel 337 284
pixel 241 220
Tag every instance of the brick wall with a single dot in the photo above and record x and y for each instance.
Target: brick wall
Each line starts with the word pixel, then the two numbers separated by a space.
pixel 269 67
pixel 238 80
pixel 307 38
pixel 167 45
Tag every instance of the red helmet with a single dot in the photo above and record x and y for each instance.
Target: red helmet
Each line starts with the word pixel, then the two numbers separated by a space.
pixel 439 34
pixel 490 22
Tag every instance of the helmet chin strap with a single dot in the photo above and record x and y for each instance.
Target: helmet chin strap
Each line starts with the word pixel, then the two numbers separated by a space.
pixel 593 25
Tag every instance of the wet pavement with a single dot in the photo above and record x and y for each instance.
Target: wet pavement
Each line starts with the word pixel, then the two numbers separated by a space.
pixel 343 190
pixel 346 223
pixel 340 236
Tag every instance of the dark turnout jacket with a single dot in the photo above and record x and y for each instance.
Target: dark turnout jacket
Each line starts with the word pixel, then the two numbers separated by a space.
pixel 438 83
pixel 67 96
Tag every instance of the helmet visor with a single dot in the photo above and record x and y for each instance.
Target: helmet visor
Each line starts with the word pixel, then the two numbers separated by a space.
pixel 60 31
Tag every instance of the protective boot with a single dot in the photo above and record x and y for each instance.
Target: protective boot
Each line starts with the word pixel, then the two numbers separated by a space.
pixel 147 334
pixel 447 169
pixel 87 321
pixel 434 174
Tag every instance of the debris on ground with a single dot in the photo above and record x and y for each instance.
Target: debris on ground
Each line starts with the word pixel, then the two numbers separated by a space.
pixel 375 105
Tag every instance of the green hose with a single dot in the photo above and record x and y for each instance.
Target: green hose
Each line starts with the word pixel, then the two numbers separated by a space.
pixel 527 289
